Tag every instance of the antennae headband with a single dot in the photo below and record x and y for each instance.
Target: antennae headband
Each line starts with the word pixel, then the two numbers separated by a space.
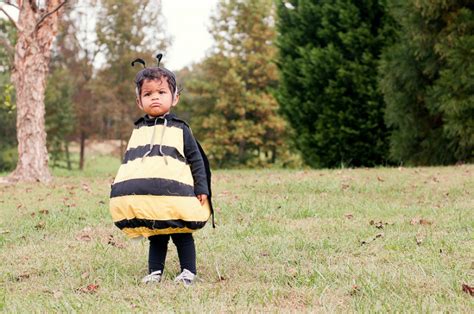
pixel 139 60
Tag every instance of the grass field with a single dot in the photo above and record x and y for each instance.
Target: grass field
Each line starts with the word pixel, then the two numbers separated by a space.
pixel 347 240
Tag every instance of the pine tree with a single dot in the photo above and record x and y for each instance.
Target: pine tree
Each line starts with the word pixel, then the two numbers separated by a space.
pixel 427 81
pixel 329 51
pixel 240 125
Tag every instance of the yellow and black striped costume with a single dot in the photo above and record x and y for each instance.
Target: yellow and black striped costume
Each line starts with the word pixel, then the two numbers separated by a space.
pixel 155 189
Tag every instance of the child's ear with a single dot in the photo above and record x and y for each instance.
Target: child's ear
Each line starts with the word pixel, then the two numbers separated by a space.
pixel 176 99
pixel 139 103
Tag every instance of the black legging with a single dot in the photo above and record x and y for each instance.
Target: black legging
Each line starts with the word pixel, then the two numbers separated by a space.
pixel 159 246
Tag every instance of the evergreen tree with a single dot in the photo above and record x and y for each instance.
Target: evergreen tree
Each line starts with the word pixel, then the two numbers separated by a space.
pixel 239 124
pixel 329 51
pixel 427 81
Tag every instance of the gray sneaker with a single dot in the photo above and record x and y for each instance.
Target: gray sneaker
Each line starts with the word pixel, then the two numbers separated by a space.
pixel 154 277
pixel 186 277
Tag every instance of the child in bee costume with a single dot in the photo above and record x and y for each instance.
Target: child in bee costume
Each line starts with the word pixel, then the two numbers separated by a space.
pixel 162 189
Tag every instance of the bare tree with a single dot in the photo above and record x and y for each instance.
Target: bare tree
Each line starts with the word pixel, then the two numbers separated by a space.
pixel 36 27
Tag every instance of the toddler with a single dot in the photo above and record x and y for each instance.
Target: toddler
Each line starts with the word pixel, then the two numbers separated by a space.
pixel 162 188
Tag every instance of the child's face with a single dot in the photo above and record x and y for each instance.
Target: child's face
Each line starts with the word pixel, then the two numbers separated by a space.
pixel 156 98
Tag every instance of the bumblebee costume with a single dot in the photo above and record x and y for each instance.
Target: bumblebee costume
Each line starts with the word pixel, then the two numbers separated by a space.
pixel 155 189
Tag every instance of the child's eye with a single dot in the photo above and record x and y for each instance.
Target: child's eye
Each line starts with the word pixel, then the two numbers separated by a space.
pixel 162 92
pixel 146 94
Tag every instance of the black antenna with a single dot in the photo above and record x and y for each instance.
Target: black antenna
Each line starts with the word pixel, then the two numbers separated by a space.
pixel 139 61
pixel 159 56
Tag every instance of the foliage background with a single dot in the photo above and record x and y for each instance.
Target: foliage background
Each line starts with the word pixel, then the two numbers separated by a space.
pixel 286 83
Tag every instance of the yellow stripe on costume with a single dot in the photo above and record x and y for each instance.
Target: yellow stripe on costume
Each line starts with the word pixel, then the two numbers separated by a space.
pixel 155 167
pixel 146 232
pixel 142 136
pixel 154 207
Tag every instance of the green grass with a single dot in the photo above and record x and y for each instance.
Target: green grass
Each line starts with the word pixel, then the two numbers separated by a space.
pixel 285 240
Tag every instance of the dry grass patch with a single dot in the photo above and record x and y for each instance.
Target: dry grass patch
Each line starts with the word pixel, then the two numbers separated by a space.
pixel 363 240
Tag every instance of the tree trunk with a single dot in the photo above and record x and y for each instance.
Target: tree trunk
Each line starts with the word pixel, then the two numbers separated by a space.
pixel 32 55
pixel 82 150
pixel 68 156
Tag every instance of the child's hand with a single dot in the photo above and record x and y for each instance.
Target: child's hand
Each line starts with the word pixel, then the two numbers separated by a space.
pixel 202 198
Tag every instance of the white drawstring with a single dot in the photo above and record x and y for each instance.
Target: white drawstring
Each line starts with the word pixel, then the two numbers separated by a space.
pixel 152 140
pixel 161 141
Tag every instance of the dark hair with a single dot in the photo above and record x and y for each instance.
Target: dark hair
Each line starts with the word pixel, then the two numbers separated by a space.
pixel 155 73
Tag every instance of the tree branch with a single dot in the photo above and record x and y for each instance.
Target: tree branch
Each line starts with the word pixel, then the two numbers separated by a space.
pixel 8 46
pixel 12 4
pixel 9 17
pixel 48 14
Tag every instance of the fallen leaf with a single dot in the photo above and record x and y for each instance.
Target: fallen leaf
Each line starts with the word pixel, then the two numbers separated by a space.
pixel 44 211
pixel 84 238
pixel 114 243
pixel 91 288
pixel 40 225
pixel 354 290
pixel 84 275
pixel 420 221
pixel 378 224
pixel 22 277
pixel 468 289
pixel 345 186
pixel 19 206
pixel 101 202
pixel 380 179
pixel 86 188
pixel 4 231
pixel 349 216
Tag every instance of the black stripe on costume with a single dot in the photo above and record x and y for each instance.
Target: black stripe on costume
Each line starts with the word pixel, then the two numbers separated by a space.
pixel 140 151
pixel 151 186
pixel 159 224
